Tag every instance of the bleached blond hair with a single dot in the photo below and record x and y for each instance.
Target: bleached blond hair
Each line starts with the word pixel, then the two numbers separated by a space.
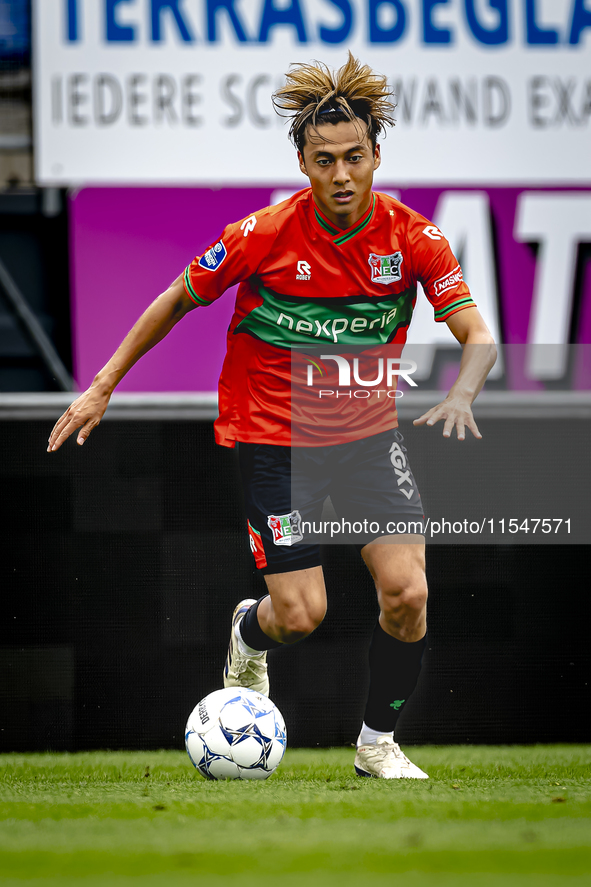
pixel 314 94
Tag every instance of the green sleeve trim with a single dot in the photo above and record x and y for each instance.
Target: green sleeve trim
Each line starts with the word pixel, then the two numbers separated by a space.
pixel 466 302
pixel 191 292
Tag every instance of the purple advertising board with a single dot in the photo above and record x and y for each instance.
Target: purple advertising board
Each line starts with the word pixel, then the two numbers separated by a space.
pixel 528 248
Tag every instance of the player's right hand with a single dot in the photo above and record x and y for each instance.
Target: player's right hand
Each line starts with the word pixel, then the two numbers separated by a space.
pixel 85 413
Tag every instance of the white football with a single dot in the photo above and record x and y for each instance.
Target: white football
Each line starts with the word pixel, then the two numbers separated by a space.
pixel 235 733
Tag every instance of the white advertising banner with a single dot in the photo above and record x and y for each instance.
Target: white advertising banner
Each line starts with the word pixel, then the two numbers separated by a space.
pixel 179 91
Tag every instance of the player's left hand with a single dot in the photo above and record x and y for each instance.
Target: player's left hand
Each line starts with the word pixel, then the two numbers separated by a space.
pixel 456 413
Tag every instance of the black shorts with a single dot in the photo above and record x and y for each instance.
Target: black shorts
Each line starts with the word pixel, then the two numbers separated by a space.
pixel 286 490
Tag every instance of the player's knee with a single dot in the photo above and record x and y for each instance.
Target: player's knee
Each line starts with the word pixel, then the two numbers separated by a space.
pixel 415 598
pixel 403 603
pixel 299 622
pixel 410 591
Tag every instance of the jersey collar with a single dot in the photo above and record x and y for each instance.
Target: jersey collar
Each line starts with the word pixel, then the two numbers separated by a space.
pixel 337 235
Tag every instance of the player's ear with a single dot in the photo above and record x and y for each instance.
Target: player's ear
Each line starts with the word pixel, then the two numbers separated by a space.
pixel 302 163
pixel 377 157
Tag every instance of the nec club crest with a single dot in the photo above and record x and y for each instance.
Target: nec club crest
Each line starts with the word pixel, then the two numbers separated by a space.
pixel 385 269
pixel 286 528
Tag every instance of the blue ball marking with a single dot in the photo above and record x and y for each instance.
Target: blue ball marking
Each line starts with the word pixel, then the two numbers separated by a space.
pixel 206 761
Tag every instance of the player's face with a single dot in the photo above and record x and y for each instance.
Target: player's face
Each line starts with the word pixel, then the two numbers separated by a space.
pixel 340 169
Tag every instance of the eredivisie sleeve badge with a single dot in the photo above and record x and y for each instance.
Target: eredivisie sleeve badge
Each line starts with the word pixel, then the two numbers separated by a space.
pixel 385 269
pixel 213 257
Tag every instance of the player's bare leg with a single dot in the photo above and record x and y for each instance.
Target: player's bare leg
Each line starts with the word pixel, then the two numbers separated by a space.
pixel 294 607
pixel 397 565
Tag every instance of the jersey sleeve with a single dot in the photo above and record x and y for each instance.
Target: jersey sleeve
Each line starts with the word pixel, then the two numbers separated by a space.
pixel 439 271
pixel 231 259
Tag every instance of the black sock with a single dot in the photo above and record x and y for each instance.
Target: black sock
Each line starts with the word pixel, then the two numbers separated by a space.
pixel 394 668
pixel 251 632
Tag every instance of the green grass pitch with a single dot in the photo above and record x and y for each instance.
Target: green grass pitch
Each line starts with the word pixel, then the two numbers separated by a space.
pixel 511 816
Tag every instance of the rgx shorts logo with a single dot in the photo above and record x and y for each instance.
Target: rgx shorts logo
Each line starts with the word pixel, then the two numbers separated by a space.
pixel 213 258
pixel 286 528
pixel 385 269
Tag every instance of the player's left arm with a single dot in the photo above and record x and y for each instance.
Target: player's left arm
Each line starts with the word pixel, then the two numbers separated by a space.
pixel 479 354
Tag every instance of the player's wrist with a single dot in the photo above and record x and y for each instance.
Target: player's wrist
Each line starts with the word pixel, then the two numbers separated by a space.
pixel 464 395
pixel 104 383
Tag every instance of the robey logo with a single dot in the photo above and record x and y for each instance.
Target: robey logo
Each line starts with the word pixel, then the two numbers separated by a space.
pixel 304 271
pixel 248 225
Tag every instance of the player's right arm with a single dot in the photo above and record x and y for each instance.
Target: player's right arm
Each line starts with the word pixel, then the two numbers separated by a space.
pixel 155 323
pixel 228 261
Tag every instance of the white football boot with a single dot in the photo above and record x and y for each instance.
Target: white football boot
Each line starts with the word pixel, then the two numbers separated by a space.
pixel 242 670
pixel 385 760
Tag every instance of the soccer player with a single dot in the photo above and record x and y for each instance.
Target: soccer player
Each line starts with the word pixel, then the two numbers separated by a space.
pixel 337 264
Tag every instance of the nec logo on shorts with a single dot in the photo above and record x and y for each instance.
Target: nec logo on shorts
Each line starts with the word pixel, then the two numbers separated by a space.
pixel 385 269
pixel 286 528
pixel 449 282
pixel 213 258
pixel 304 271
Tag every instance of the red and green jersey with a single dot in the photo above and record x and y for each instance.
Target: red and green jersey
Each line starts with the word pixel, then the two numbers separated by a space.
pixel 305 284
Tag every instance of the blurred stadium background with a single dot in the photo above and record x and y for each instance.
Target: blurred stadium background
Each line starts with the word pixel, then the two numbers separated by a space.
pixel 121 563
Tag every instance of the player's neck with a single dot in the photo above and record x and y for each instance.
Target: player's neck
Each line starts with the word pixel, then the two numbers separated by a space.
pixel 344 220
